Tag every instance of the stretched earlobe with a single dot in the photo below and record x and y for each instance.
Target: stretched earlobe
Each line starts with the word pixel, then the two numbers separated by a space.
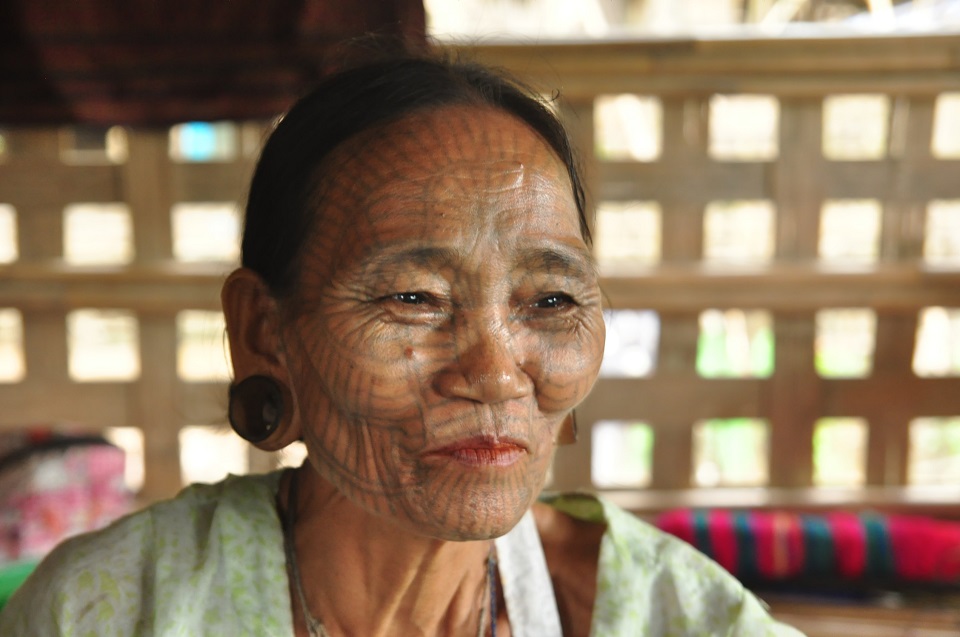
pixel 568 430
pixel 261 411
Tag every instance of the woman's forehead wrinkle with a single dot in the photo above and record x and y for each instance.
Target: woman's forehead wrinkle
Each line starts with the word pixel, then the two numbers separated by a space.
pixel 466 175
pixel 350 188
pixel 495 176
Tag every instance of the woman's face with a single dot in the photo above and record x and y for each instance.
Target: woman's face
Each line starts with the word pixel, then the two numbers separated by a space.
pixel 447 319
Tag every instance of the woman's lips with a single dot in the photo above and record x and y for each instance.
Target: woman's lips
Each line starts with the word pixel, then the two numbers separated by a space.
pixel 481 452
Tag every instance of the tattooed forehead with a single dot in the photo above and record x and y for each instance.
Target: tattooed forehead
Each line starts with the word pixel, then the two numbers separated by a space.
pixel 453 174
pixel 491 175
pixel 466 142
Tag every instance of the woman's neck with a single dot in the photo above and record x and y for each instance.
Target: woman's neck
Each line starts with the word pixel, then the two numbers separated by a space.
pixel 362 574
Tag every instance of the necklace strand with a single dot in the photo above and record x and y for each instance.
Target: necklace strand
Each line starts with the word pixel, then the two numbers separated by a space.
pixel 314 626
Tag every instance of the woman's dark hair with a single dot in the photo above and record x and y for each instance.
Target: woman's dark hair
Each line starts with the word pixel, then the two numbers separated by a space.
pixel 281 203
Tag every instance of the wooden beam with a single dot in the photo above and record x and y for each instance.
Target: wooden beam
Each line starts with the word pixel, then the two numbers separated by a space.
pixel 155 404
pixel 213 181
pixel 787 287
pixel 677 400
pixel 47 400
pixel 53 286
pixel 686 400
pixel 147 190
pixel 796 184
pixel 676 288
pixel 920 64
pixel 793 401
pixel 938 501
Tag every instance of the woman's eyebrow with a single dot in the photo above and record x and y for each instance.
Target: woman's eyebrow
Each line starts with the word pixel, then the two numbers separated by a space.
pixel 551 259
pixel 420 256
pixel 568 261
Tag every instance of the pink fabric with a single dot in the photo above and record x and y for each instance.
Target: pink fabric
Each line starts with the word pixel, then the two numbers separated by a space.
pixel 850 543
pixel 52 494
pixel 678 522
pixel 925 549
pixel 910 548
pixel 723 537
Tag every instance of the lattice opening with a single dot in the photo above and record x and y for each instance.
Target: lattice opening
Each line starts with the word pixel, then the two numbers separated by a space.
pixel 840 452
pixel 211 453
pixel 103 345
pixel 202 352
pixel 735 343
pixel 845 340
pixel 941 244
pixel 97 233
pixel 731 452
pixel 744 127
pixel 621 454
pixel 627 236
pixel 93 145
pixel 293 455
pixel 206 232
pixel 937 352
pixel 946 127
pixel 631 346
pixel 9 252
pixel 850 231
pixel 738 233
pixel 628 127
pixel 855 126
pixel 203 142
pixel 131 440
pixel 12 365
pixel 934 457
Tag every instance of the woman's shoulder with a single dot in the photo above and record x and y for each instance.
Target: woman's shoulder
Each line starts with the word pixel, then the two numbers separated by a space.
pixel 627 538
pixel 186 523
pixel 126 571
pixel 630 543
pixel 652 583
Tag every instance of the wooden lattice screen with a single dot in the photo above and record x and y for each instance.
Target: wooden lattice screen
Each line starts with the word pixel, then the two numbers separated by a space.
pixel 800 74
pixel 36 181
pixel 682 179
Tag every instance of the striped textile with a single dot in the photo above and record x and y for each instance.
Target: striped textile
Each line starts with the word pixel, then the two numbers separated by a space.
pixel 780 546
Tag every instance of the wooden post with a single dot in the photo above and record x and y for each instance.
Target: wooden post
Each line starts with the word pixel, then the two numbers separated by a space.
pixel 155 402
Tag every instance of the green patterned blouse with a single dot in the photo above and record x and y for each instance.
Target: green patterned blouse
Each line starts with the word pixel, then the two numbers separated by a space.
pixel 211 562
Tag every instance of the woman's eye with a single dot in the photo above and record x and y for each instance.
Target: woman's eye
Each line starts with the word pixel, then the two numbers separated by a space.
pixel 412 298
pixel 555 301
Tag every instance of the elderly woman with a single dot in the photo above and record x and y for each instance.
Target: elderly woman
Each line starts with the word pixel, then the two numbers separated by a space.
pixel 418 303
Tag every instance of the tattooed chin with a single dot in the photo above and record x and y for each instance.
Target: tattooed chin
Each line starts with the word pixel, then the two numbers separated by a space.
pixel 469 501
pixel 464 488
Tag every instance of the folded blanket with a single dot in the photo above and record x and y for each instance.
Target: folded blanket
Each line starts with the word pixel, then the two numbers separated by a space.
pixel 779 546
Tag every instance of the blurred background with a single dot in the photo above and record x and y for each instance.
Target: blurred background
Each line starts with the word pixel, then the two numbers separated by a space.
pixel 533 20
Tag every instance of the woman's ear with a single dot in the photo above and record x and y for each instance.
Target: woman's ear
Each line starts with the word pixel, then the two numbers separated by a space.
pixel 253 324
pixel 253 320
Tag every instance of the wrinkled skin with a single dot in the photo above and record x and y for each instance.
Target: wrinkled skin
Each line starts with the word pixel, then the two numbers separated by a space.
pixel 447 319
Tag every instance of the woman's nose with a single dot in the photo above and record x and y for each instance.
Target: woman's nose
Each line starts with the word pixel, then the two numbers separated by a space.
pixel 486 369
